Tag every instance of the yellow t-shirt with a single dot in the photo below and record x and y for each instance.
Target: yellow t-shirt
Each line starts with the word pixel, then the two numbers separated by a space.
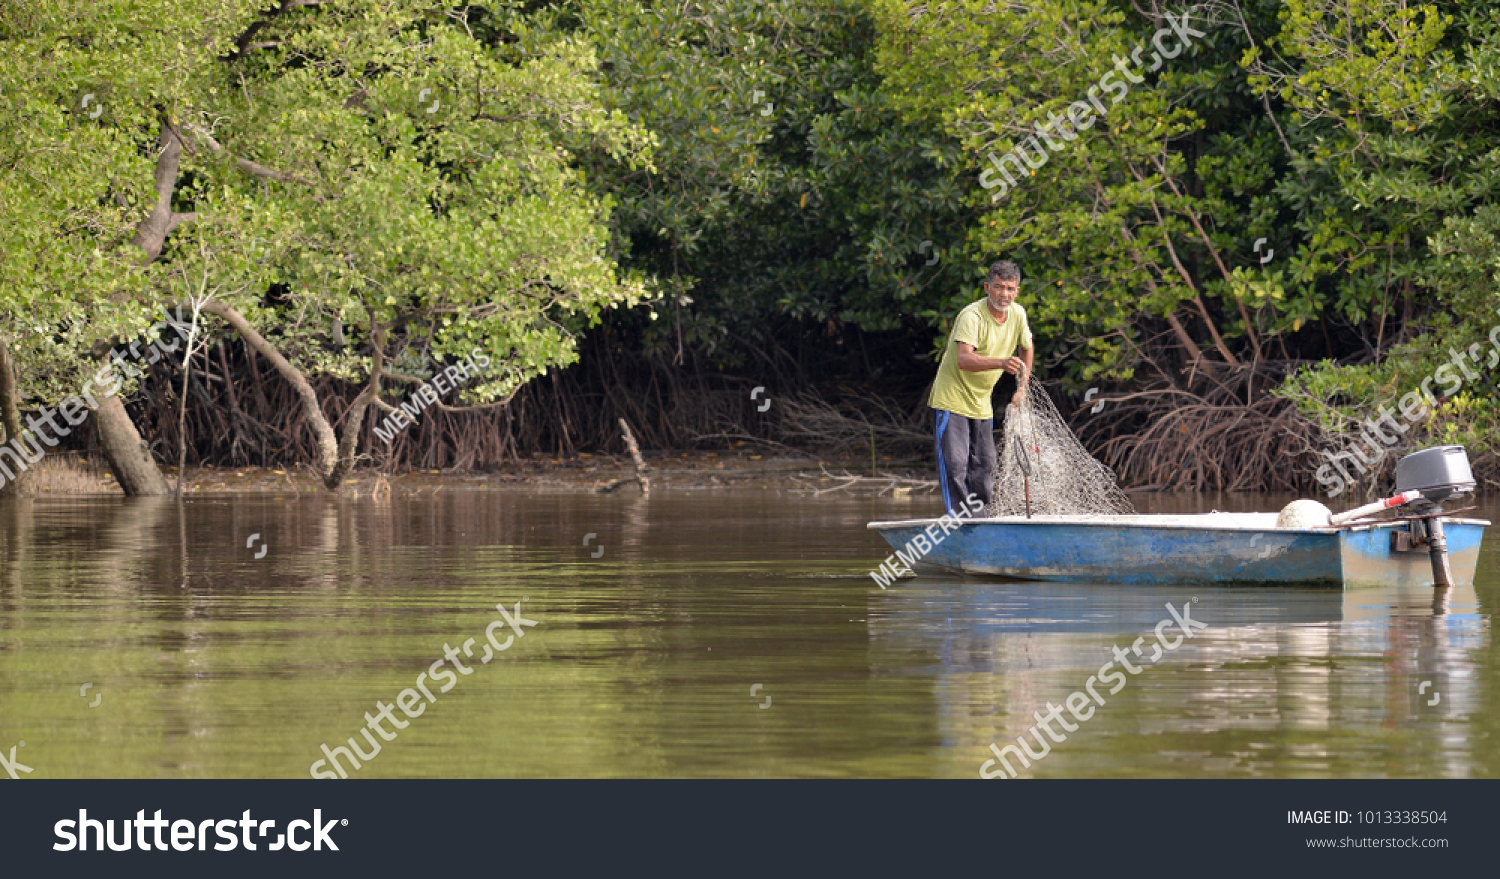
pixel 968 393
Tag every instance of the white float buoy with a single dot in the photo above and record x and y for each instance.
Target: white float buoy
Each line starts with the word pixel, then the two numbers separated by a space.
pixel 1311 514
pixel 1303 514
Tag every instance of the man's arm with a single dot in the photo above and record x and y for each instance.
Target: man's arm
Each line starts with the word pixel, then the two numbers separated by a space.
pixel 971 361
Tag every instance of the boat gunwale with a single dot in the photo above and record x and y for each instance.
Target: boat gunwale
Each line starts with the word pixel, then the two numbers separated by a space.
pixel 1099 522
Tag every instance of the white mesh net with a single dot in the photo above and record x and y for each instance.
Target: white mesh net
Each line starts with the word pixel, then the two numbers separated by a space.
pixel 1064 479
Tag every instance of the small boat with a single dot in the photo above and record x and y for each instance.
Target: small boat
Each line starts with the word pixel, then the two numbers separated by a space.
pixel 1304 545
pixel 1224 548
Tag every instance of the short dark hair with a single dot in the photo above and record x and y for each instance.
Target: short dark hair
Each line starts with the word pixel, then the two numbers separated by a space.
pixel 1005 270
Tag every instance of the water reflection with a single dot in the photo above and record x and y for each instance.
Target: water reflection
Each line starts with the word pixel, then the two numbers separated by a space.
pixel 1277 675
pixel 215 662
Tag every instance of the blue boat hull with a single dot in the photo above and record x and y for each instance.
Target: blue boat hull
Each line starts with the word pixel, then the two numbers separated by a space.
pixel 1245 549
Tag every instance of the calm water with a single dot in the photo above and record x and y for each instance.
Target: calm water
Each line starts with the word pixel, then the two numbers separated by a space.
pixel 207 661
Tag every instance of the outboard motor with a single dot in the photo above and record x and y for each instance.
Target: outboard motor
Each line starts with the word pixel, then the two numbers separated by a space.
pixel 1440 473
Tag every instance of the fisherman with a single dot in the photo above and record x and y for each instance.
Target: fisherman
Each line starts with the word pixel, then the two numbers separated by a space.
pixel 985 337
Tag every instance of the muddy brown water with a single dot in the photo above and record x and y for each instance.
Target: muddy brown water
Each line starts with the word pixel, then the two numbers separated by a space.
pixel 696 633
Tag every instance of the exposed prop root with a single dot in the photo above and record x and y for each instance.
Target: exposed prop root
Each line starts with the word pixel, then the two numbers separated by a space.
pixel 1198 435
pixel 1169 439
pixel 860 420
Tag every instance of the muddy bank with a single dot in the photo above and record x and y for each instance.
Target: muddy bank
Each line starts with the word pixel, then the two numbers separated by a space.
pixel 675 471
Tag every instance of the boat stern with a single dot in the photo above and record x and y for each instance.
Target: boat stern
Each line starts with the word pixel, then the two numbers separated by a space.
pixel 1384 554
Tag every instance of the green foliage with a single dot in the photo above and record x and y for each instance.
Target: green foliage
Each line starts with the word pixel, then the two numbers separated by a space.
pixel 787 191
pixel 1100 224
pixel 75 175
pixel 1403 99
pixel 436 197
pixel 1354 138
pixel 315 164
pixel 396 180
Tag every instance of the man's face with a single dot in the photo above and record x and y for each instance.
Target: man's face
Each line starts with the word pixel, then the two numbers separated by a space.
pixel 1002 293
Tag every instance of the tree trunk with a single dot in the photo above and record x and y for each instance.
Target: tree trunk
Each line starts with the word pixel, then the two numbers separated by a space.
pixel 1195 354
pixel 128 455
pixel 1214 252
pixel 354 422
pixel 328 445
pixel 354 419
pixel 129 458
pixel 10 417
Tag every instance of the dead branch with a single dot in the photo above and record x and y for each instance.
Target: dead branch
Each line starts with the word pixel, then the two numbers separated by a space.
pixel 254 169
pixel 640 465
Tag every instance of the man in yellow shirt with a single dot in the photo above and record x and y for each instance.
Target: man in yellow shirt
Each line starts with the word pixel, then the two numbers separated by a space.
pixel 985 337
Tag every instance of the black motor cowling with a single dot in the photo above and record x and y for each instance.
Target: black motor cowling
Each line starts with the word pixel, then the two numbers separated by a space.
pixel 1439 473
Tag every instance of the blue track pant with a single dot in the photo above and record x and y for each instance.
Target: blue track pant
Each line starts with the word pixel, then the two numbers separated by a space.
pixel 965 459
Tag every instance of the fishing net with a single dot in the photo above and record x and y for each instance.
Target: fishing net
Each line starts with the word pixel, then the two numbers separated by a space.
pixel 1064 478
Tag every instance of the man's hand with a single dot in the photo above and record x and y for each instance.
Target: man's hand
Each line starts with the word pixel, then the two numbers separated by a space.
pixel 970 361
